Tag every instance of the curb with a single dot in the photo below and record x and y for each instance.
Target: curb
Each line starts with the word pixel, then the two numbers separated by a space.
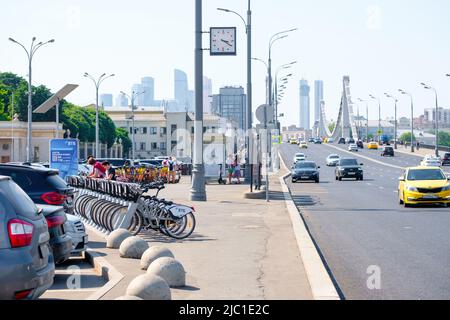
pixel 319 280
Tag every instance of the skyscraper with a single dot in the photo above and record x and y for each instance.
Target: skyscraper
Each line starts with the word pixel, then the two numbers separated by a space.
pixel 230 103
pixel 136 89
pixel 121 101
pixel 148 85
pixel 207 92
pixel 304 105
pixel 181 89
pixel 318 98
pixel 106 100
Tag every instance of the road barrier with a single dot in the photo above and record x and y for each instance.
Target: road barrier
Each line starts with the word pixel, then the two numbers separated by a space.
pixel 110 205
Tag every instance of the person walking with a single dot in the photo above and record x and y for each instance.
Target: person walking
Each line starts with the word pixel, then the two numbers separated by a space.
pixel 230 168
pixel 172 172
pixel 237 172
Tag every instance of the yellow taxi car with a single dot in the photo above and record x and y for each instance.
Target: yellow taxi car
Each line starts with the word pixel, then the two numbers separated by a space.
pixel 372 145
pixel 293 141
pixel 426 185
pixel 303 145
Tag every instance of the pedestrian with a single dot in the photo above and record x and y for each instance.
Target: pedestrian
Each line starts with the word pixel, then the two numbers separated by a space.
pixel 237 172
pixel 98 171
pixel 172 163
pixel 164 170
pixel 230 168
pixel 110 171
pixel 417 145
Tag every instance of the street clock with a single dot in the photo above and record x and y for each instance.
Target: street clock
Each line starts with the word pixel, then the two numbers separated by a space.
pixel 223 41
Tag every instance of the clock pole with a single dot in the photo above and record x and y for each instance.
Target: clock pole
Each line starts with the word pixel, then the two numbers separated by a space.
pixel 198 192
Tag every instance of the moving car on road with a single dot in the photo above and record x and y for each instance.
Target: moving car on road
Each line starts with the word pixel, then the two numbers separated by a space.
pixel 305 171
pixel 431 161
pixel 446 159
pixel 348 168
pixel 330 140
pixel 332 160
pixel 387 152
pixel 303 145
pixel 311 140
pixel 426 185
pixel 360 144
pixel 299 157
pixel 293 141
pixel 317 141
pixel 26 260
pixel 341 140
pixel 349 140
pixel 372 145
pixel 353 147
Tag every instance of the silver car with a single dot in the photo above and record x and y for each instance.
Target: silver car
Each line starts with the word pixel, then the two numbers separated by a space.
pixel 332 160
pixel 74 227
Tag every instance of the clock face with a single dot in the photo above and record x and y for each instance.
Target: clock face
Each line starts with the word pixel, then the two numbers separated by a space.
pixel 223 41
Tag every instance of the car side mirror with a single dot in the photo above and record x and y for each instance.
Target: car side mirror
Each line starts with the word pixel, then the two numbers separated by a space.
pixel 401 178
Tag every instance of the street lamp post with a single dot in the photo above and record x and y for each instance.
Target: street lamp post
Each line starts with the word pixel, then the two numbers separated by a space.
pixel 436 118
pixel 284 66
pixel 379 117
pixel 412 117
pixel 248 29
pixel 198 191
pixel 132 98
pixel 395 117
pixel 367 118
pixel 97 83
pixel 30 54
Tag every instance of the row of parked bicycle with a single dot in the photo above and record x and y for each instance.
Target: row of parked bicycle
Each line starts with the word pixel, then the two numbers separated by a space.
pixel 111 204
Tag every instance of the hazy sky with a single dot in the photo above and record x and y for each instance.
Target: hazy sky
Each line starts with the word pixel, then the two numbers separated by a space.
pixel 381 45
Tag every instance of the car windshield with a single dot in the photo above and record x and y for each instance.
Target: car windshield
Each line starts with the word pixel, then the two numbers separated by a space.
pixel 334 157
pixel 348 162
pixel 305 165
pixel 424 174
pixel 299 155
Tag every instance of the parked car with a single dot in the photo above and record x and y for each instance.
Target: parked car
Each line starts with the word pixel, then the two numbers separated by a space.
pixel 84 169
pixel 155 162
pixel 446 159
pixel 304 171
pixel 115 162
pixel 332 160
pixel 353 147
pixel 46 188
pixel 387 152
pixel 27 267
pixel 75 229
pixel 348 168
pixel 299 157
pixel 341 140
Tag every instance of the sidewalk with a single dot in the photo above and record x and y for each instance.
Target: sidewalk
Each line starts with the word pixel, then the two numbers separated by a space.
pixel 422 152
pixel 241 248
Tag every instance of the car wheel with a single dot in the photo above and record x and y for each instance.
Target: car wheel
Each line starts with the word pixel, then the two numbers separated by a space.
pixel 340 178
pixel 400 201
pixel 361 178
pixel 317 180
pixel 336 177
pixel 293 181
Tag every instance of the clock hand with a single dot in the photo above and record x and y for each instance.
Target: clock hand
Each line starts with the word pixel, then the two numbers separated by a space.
pixel 226 41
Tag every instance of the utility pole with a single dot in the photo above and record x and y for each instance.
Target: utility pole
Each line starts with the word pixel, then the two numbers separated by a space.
pixel 198 192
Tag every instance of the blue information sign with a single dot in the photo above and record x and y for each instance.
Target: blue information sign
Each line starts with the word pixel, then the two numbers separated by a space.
pixel 64 156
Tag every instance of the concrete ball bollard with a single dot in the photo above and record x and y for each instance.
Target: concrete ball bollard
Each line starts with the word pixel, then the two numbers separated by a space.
pixel 128 298
pixel 170 270
pixel 154 253
pixel 133 247
pixel 116 238
pixel 149 287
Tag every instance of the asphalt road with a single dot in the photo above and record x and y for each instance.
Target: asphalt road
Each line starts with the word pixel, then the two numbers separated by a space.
pixel 362 231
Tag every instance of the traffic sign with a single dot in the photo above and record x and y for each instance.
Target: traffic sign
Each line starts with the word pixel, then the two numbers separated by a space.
pixel 265 108
pixel 379 131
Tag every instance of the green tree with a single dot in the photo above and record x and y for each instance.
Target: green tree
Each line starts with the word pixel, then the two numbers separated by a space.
pixel 122 133
pixel 444 139
pixel 331 126
pixel 406 137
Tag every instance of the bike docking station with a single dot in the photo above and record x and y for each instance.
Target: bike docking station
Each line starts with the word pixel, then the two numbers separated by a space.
pixel 105 205
pixel 111 205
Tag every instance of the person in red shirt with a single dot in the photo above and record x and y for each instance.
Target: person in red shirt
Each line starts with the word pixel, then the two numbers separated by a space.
pixel 98 171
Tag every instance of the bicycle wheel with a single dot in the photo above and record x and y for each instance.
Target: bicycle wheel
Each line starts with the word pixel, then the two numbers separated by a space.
pixel 137 223
pixel 180 228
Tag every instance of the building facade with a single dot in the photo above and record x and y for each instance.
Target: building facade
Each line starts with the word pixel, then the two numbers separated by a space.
pixel 304 121
pixel 148 86
pixel 121 101
pixel 230 104
pixel 443 116
pixel 181 89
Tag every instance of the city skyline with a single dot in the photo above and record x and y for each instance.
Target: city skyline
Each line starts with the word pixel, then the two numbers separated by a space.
pixel 383 44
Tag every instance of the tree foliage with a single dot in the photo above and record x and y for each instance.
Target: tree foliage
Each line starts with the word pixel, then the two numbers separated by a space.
pixel 406 137
pixel 80 121
pixel 121 133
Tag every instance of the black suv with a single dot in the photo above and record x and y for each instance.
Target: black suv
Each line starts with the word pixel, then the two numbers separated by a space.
pixel 360 144
pixel 446 159
pixel 387 152
pixel 348 168
pixel 46 188
pixel 341 140
pixel 305 170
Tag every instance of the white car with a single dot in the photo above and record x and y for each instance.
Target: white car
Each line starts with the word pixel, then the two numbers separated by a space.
pixel 353 147
pixel 74 227
pixel 84 169
pixel 332 160
pixel 299 157
pixel 430 161
pixel 330 140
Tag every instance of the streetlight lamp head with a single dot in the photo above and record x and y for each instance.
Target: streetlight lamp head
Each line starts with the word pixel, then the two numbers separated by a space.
pixel 34 39
pixel 12 40
pixel 51 41
pixel 222 9
pixel 448 74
